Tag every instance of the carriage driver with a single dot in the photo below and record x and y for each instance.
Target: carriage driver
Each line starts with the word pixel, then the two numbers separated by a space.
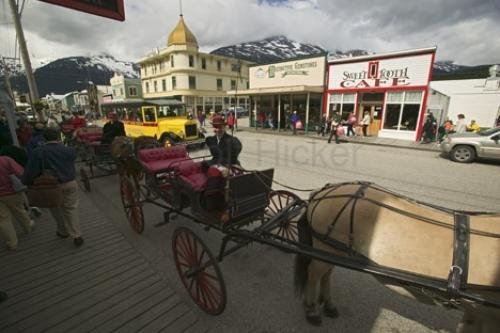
pixel 224 147
pixel 113 128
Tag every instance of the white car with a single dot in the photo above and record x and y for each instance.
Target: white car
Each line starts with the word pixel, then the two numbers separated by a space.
pixel 466 147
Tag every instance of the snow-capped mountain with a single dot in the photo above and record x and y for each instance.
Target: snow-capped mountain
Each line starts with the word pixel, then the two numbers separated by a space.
pixel 72 73
pixel 269 50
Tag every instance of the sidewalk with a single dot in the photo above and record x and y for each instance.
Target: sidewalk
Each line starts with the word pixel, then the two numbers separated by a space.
pixel 104 285
pixel 370 140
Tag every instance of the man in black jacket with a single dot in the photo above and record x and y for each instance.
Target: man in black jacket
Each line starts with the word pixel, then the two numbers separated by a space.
pixel 112 129
pixel 224 148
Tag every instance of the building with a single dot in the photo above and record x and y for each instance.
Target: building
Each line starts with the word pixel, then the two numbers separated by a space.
pixel 392 88
pixel 125 89
pixel 477 99
pixel 200 80
pixel 279 88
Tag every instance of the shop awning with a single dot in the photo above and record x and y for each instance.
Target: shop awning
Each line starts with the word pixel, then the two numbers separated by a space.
pixel 278 90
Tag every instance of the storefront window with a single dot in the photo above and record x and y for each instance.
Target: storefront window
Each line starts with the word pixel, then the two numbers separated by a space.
pixel 402 110
pixel 343 103
pixel 392 112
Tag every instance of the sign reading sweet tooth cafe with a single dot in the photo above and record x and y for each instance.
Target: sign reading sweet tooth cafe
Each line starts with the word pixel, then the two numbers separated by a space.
pixel 402 72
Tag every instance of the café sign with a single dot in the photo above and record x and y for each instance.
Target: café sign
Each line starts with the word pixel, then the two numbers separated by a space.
pixel 407 71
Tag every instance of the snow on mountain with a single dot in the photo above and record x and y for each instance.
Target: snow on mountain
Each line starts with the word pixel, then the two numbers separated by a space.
pixel 269 50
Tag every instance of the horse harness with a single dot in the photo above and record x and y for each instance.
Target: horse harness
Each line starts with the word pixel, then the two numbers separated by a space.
pixel 457 278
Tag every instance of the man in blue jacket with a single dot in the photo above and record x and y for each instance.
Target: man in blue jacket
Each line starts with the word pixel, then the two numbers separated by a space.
pixel 60 160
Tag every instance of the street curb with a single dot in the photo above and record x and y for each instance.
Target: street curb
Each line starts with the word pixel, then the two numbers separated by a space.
pixel 250 130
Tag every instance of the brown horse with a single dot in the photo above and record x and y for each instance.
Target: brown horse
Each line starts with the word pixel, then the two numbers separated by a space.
pixel 364 222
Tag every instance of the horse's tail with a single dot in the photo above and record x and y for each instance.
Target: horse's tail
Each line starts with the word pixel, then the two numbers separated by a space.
pixel 302 261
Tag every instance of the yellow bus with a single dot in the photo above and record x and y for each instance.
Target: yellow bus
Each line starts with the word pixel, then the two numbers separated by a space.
pixel 165 120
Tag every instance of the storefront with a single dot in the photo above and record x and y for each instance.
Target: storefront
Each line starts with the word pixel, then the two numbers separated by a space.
pixel 277 90
pixel 392 88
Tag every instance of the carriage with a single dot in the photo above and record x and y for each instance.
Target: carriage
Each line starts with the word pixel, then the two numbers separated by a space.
pixel 95 157
pixel 252 212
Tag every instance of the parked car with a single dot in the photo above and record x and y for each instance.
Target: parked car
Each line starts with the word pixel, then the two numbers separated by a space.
pixel 240 111
pixel 466 147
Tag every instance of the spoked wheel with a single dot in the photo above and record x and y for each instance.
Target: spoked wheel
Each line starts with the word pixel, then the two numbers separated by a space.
pixel 199 271
pixel 278 201
pixel 84 177
pixel 130 194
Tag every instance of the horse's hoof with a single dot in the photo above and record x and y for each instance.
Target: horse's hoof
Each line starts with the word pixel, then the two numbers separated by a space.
pixel 331 311
pixel 314 319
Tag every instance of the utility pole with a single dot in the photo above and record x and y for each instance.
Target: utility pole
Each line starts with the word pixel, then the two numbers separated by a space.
pixel 34 97
pixel 7 103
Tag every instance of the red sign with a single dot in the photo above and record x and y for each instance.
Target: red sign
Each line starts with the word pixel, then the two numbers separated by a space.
pixel 107 8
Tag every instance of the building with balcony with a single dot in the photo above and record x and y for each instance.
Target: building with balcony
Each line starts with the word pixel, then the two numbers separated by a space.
pixel 198 79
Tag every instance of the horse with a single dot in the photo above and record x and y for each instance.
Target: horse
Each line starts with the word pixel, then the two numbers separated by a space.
pixel 366 223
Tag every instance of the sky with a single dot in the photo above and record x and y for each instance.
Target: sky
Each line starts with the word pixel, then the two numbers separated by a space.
pixel 465 31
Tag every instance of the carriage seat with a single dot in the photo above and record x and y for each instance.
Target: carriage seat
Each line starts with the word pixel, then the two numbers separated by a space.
pixel 162 159
pixel 192 174
pixel 92 139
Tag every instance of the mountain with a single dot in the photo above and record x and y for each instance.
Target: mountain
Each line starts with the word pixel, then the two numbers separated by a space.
pixel 269 50
pixel 73 73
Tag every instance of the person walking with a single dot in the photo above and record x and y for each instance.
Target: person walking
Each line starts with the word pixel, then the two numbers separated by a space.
pixel 367 119
pixel 294 119
pixel 36 139
pixel 351 122
pixel 231 122
pixel 460 125
pixel 336 122
pixel 12 202
pixel 60 160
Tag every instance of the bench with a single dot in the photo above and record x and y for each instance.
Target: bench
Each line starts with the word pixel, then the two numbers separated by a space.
pixel 161 159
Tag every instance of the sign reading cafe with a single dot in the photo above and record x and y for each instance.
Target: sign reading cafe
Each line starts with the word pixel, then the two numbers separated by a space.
pixel 384 73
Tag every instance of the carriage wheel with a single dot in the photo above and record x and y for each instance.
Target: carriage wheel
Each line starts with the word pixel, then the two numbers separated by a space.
pixel 130 195
pixel 278 200
pixel 199 271
pixel 84 177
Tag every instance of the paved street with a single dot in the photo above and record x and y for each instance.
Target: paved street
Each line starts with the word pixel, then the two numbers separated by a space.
pixel 259 279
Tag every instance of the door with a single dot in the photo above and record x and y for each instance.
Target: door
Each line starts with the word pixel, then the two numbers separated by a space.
pixel 375 111
pixel 491 146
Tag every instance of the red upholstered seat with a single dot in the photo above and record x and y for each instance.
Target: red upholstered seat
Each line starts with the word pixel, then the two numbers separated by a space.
pixel 162 159
pixel 89 137
pixel 192 174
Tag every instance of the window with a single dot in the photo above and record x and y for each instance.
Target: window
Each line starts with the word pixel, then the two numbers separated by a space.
pixel 162 65
pixel 172 60
pixel 343 103
pixel 145 71
pixel 155 85
pixel 132 91
pixel 219 84
pixel 114 92
pixel 219 65
pixel 147 87
pixel 149 115
pixel 203 63
pixel 121 91
pixel 174 83
pixel 191 61
pixel 402 109
pixel 192 82
pixel 235 67
pixel 163 85
pixel 233 84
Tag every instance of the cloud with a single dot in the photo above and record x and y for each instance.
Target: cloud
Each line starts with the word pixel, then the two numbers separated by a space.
pixel 464 31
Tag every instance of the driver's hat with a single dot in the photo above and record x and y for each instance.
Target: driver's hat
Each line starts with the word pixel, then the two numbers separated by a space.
pixel 218 121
